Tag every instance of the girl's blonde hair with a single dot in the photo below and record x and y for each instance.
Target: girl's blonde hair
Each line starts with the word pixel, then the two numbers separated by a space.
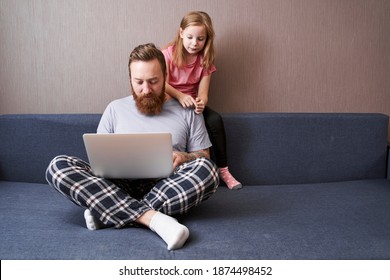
pixel 191 19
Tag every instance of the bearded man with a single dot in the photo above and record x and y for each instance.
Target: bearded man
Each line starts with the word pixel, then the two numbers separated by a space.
pixel 151 203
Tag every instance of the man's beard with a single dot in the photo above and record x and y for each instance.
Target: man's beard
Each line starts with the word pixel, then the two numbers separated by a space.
pixel 151 105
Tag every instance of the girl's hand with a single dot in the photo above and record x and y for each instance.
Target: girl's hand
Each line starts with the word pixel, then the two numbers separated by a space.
pixel 187 101
pixel 199 106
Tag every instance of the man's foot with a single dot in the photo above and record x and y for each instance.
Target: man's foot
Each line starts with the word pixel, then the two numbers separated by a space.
pixel 91 222
pixel 170 230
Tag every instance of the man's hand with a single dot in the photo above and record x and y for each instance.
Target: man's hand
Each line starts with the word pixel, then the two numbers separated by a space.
pixel 182 157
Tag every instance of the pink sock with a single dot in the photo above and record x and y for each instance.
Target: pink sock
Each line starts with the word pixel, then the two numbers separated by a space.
pixel 228 178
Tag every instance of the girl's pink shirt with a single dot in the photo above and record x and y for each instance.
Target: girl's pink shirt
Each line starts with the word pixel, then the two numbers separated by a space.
pixel 186 79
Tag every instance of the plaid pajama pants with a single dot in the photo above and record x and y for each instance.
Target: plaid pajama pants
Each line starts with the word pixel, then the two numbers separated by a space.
pixel 120 202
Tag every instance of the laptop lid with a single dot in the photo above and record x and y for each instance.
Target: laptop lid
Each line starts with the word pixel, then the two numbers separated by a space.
pixel 130 156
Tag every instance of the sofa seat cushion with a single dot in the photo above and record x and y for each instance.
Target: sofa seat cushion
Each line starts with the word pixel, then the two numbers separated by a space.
pixel 344 220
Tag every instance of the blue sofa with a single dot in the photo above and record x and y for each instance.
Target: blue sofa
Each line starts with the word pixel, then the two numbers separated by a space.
pixel 315 187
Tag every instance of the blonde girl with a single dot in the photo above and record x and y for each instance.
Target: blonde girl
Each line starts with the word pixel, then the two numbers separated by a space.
pixel 190 64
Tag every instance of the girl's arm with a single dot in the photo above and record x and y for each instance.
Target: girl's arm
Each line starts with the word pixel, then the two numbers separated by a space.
pixel 203 94
pixel 184 99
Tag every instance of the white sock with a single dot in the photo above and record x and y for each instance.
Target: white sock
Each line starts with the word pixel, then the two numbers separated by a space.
pixel 170 230
pixel 91 222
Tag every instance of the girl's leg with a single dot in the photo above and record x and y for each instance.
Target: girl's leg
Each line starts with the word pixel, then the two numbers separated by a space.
pixel 104 200
pixel 216 130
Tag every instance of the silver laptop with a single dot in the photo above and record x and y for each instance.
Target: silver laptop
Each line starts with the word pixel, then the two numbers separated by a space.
pixel 130 156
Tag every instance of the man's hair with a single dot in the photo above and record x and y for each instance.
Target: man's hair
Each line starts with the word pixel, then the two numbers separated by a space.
pixel 147 52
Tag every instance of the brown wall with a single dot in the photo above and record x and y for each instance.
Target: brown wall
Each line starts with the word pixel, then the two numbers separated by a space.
pixel 273 55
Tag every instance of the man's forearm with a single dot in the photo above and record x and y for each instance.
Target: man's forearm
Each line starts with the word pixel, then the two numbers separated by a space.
pixel 197 154
pixel 182 157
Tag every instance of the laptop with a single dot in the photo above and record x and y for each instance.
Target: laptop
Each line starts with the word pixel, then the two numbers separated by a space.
pixel 130 156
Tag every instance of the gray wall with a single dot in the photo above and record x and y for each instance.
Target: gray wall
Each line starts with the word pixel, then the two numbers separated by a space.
pixel 272 55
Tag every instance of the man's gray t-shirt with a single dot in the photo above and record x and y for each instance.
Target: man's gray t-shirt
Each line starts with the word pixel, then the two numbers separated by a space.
pixel 187 128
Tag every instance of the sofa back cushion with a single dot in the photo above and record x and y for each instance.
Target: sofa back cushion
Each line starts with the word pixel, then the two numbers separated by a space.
pixel 263 148
pixel 294 148
pixel 30 142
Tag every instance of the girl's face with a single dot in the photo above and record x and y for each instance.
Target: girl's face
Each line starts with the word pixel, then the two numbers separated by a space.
pixel 194 38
